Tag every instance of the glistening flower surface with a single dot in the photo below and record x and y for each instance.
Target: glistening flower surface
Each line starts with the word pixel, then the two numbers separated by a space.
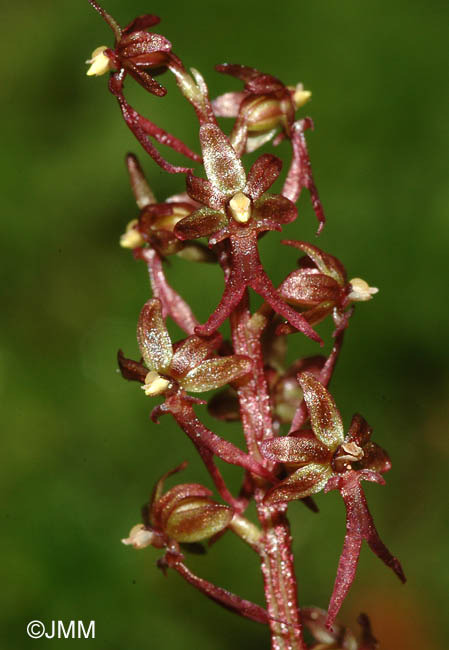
pixel 232 205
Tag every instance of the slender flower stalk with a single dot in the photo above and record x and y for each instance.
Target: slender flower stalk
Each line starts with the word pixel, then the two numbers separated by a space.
pixel 293 444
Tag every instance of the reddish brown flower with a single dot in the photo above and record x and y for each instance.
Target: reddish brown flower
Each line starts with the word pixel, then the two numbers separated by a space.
pixel 264 105
pixel 238 208
pixel 320 287
pixel 323 458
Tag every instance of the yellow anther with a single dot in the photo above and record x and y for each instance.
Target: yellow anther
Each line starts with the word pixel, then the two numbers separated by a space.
pixel 155 384
pixel 361 291
pixel 240 206
pixel 139 537
pixel 99 62
pixel 301 96
pixel 131 238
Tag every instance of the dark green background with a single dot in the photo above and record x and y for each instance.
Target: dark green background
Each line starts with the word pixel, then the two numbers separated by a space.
pixel 79 454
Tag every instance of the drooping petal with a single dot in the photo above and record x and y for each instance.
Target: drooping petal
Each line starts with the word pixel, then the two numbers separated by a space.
pixel 326 263
pixel 300 172
pixel 301 448
pixel 172 303
pixel 305 481
pixel 324 415
pixel 359 526
pixel 228 105
pixel 201 223
pixel 153 337
pixel 305 288
pixel 223 597
pixel 242 72
pixel 205 192
pixel 191 353
pixel 274 208
pixel 223 167
pixel 262 175
pixel 195 521
pixel 132 370
pixel 214 373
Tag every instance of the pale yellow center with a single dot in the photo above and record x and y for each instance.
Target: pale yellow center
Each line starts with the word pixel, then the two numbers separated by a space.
pixel 155 384
pixel 139 537
pixel 300 96
pixel 131 238
pixel 99 62
pixel 361 291
pixel 240 206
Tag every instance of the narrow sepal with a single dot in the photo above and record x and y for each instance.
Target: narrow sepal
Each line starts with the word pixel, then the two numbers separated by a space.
pixel 158 489
pixel 262 175
pixel 140 188
pixel 223 167
pixel 141 23
pixel 324 415
pixel 304 482
pixel 201 223
pixel 153 337
pixel 214 373
pixel 299 448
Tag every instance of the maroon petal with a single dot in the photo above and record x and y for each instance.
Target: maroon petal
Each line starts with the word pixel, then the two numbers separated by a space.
pixel 201 223
pixel 274 208
pixel 234 289
pixel 324 415
pixel 306 288
pixel 223 597
pixel 204 192
pixel 305 481
pixel 299 449
pixel 359 526
pixel 242 72
pixel 158 489
pixel 172 303
pixel 153 337
pixel 262 175
pixel 223 167
pixel 132 370
pixel 228 105
pixel 359 431
pixel 300 172
pixel 141 23
pixel 375 458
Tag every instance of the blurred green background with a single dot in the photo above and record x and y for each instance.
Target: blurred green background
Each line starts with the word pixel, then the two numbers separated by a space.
pixel 79 454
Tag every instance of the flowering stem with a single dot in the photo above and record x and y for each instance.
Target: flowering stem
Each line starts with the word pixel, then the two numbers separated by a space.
pixel 275 544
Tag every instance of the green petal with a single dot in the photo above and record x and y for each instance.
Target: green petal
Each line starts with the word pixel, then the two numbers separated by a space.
pixel 194 522
pixel 223 167
pixel 324 415
pixel 307 480
pixel 214 373
pixel 153 338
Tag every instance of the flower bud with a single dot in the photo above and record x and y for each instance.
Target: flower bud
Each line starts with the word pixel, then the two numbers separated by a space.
pixel 193 520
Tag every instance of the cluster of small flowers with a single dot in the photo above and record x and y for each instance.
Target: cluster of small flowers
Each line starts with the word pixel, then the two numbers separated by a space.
pixel 232 208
